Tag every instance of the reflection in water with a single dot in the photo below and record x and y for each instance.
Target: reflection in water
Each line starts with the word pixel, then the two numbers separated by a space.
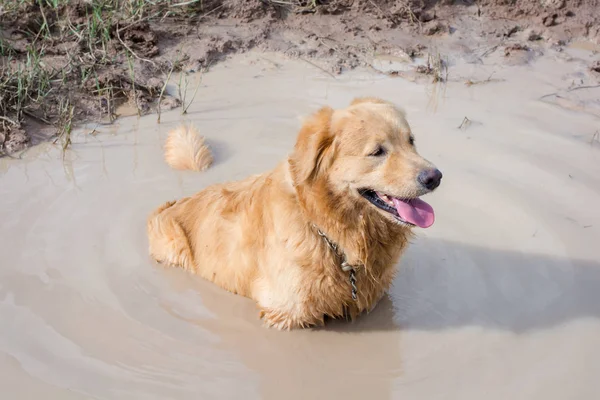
pixel 498 300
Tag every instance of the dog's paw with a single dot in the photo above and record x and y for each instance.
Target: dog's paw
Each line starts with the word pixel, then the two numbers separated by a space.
pixel 284 321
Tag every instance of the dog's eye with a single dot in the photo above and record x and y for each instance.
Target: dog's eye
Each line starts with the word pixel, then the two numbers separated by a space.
pixel 411 140
pixel 379 151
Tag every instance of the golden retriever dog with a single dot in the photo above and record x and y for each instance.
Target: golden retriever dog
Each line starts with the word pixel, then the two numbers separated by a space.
pixel 318 236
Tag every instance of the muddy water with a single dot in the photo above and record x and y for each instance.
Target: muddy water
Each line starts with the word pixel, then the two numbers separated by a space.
pixel 499 299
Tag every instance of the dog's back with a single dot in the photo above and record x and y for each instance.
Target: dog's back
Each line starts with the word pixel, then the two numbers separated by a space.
pixel 223 232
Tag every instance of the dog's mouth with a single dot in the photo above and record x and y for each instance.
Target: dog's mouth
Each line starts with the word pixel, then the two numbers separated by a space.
pixel 413 212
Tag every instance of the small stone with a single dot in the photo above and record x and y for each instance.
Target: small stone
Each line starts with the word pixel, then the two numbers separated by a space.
pixel 561 42
pixel 533 36
pixel 549 20
pixel 169 103
pixel 16 140
pixel 554 4
pixel 435 28
pixel 426 16
pixel 154 82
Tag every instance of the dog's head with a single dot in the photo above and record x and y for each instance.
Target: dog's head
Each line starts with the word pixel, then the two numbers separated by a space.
pixel 365 154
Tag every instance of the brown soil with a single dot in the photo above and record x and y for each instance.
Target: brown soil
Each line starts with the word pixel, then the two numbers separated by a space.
pixel 133 58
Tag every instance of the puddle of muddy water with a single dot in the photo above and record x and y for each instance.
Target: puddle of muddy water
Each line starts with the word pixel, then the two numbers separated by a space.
pixel 500 299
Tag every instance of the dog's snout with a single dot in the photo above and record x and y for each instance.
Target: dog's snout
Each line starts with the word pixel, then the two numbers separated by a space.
pixel 430 178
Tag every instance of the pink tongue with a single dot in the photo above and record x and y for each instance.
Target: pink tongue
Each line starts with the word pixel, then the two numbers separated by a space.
pixel 415 211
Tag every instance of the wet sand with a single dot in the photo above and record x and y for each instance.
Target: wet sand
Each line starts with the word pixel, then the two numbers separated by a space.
pixel 499 299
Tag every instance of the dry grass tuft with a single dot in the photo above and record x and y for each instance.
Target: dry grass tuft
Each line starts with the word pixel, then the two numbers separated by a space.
pixel 82 53
pixel 437 68
pixel 185 149
pixel 470 82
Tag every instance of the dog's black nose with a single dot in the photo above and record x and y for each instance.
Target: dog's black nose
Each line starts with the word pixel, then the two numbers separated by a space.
pixel 430 178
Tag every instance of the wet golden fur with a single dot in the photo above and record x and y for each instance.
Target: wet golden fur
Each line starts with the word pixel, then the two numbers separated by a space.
pixel 257 237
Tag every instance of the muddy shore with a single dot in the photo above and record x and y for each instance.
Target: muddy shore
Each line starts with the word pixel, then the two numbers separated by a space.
pixel 95 61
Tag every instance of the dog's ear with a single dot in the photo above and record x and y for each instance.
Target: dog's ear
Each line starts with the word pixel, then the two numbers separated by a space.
pixel 314 141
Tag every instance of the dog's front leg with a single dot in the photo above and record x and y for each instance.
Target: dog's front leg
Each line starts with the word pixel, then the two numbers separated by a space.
pixel 283 320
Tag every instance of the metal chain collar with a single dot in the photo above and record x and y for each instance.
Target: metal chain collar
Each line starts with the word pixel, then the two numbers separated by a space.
pixel 346 267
